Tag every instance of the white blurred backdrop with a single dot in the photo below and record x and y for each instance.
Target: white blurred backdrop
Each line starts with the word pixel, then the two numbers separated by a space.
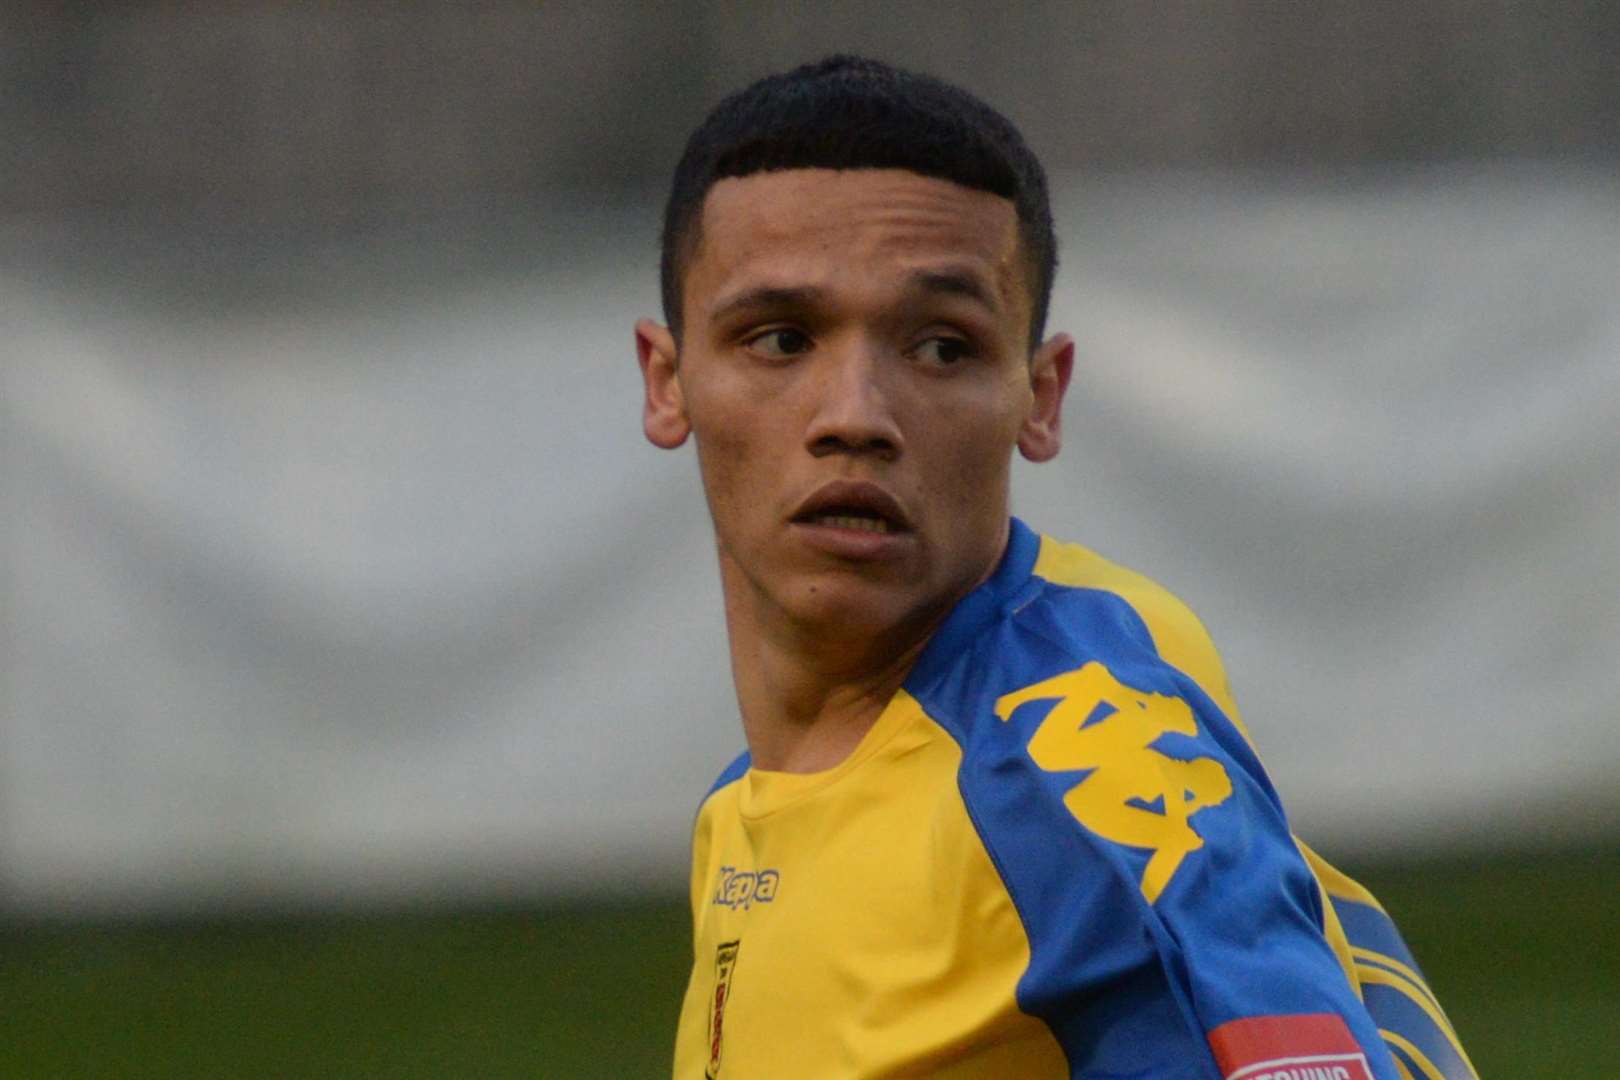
pixel 336 571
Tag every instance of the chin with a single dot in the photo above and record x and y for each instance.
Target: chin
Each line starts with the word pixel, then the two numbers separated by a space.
pixel 843 605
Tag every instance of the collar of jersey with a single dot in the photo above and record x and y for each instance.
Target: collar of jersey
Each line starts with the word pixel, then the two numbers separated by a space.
pixel 764 792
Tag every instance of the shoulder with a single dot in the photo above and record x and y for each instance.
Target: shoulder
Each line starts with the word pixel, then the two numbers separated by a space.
pixel 1177 635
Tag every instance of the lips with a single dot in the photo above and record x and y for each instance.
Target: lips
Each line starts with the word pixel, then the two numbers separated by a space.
pixel 855 505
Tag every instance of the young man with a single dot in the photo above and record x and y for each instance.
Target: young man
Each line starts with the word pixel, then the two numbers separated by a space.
pixel 998 816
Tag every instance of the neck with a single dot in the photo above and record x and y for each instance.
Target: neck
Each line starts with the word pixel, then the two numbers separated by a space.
pixel 810 693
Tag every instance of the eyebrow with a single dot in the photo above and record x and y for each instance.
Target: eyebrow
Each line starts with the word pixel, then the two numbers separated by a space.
pixel 963 283
pixel 766 296
pixel 951 282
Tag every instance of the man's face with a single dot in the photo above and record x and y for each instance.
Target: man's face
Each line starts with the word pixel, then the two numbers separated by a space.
pixel 855 371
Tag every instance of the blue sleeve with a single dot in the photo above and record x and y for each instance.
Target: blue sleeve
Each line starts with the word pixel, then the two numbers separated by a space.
pixel 1174 928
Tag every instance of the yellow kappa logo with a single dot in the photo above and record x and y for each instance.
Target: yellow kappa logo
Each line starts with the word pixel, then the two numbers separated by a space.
pixel 1103 725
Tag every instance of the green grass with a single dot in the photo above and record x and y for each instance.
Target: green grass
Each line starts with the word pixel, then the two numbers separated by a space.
pixel 1524 952
pixel 559 993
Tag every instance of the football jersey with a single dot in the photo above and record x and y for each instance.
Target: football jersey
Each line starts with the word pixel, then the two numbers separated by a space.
pixel 1054 854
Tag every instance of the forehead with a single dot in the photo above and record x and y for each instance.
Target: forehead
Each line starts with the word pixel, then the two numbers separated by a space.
pixel 823 226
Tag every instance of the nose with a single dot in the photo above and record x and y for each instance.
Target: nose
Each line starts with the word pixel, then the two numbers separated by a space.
pixel 854 411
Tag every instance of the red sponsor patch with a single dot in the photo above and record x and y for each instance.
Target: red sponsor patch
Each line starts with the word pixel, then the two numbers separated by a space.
pixel 1306 1046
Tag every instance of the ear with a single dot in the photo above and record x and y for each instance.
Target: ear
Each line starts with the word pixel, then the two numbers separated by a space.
pixel 1041 435
pixel 663 412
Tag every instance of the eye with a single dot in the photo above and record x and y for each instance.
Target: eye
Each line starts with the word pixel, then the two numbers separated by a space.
pixel 780 343
pixel 943 351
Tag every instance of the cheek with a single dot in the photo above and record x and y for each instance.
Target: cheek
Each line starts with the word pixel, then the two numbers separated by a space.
pixel 721 439
pixel 720 463
pixel 733 463
pixel 744 427
pixel 971 462
pixel 980 431
pixel 986 467
pixel 969 469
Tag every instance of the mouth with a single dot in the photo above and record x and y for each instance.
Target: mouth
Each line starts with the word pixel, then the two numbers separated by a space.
pixel 847 518
pixel 854 505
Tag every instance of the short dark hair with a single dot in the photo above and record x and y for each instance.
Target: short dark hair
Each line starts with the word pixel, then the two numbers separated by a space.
pixel 846 112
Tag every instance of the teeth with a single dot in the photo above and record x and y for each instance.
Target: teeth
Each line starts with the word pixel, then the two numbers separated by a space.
pixel 850 521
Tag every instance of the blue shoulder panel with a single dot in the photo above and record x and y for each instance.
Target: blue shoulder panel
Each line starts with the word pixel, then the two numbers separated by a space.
pixel 1135 831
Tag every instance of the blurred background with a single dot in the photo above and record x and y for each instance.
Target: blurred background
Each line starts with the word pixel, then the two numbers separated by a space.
pixel 361 667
